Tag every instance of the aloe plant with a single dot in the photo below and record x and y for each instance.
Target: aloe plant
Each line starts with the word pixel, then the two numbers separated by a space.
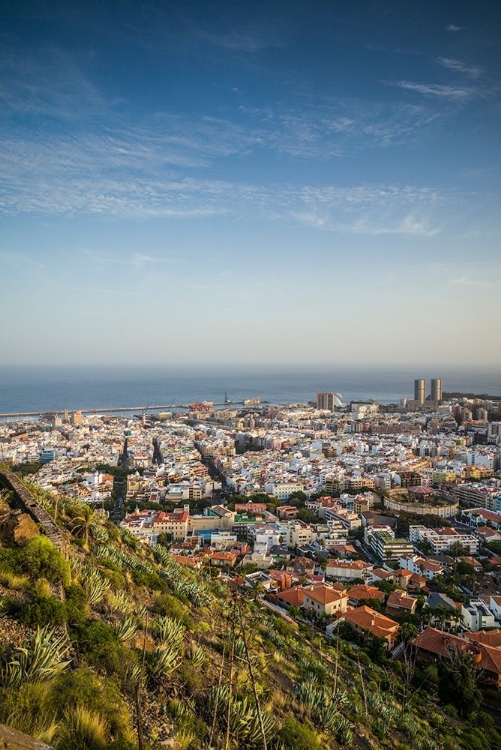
pixel 164 659
pixel 197 656
pixel 244 722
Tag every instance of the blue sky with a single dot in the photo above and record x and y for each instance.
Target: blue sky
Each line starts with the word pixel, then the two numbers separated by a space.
pixel 273 182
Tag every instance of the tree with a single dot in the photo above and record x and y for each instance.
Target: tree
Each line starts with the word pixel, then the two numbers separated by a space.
pixel 457 685
pixel 82 523
pixel 308 516
pixel 408 631
pixel 458 550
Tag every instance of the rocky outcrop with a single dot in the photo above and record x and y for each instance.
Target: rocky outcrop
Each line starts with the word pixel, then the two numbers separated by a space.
pixel 28 503
pixel 16 527
pixel 11 739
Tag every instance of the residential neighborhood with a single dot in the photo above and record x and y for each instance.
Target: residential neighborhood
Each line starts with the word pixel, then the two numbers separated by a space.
pixel 384 525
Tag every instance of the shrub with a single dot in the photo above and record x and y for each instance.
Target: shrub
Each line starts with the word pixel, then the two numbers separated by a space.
pixel 150 580
pixel 43 610
pixel 296 736
pixel 168 605
pixel 12 581
pixel 76 605
pixel 43 587
pixel 82 687
pixel 41 559
pixel 9 559
pixel 99 644
pixel 83 730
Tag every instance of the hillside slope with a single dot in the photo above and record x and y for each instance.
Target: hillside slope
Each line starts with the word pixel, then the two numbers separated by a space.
pixel 106 644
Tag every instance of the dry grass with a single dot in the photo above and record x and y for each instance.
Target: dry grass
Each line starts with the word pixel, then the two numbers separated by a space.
pixel 13 581
pixel 82 729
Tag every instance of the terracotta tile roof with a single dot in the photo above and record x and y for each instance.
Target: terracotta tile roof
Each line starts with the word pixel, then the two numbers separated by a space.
pixel 488 637
pixel 365 592
pixel 324 594
pixel 228 556
pixel 376 623
pixel 355 565
pixel 401 600
pixel 383 574
pixel 443 644
pixel 404 573
pixel 292 596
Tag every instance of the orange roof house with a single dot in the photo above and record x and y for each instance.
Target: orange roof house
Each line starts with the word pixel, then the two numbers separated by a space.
pixel 366 619
pixel 436 643
pixel 358 593
pixel 488 637
pixel 399 601
pixel 324 600
pixel 292 597
pixel 223 558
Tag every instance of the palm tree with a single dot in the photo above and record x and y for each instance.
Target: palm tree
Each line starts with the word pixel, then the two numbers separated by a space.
pixel 83 523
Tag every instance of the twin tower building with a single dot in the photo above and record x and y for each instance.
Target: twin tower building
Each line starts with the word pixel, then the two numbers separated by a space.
pixel 420 390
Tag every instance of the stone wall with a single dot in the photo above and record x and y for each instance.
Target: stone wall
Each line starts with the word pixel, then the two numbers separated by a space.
pixel 25 499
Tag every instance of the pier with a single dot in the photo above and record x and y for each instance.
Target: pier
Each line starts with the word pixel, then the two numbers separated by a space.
pixel 115 409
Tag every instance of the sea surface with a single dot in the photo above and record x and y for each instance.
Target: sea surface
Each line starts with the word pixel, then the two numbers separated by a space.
pixel 25 389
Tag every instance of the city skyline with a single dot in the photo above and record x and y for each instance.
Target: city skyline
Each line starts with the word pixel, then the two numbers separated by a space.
pixel 282 183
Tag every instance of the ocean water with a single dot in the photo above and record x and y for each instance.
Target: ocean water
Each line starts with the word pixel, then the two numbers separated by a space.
pixel 53 388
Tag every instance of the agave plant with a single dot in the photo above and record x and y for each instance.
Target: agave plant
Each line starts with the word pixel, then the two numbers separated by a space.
pixel 343 732
pixel 169 630
pixel 95 585
pixel 120 602
pixel 164 659
pixel 197 656
pixel 39 660
pixel 99 533
pixel 244 720
pixel 126 630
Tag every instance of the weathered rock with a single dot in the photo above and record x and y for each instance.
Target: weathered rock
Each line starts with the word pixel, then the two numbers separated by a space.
pixel 11 739
pixel 143 640
pixel 16 527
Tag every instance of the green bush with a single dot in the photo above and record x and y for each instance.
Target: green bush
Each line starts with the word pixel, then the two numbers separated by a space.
pixel 43 610
pixel 9 559
pixel 150 580
pixel 41 559
pixel 101 648
pixel 168 605
pixel 76 605
pixel 82 687
pixel 296 736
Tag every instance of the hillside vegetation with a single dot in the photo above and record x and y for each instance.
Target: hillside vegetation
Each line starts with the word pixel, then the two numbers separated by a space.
pixel 110 645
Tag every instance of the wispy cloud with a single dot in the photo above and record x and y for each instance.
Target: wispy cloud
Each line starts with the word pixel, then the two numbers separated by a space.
pixel 51 83
pixel 453 28
pixel 472 71
pixel 241 41
pixel 21 259
pixel 435 90
pixel 466 281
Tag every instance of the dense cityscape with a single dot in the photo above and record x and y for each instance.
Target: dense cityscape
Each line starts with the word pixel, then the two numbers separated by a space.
pixel 351 514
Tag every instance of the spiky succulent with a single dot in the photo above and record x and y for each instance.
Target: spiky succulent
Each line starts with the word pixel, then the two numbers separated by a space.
pixel 38 660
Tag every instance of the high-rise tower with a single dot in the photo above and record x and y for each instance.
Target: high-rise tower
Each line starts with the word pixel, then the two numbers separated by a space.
pixel 436 389
pixel 420 390
pixel 325 401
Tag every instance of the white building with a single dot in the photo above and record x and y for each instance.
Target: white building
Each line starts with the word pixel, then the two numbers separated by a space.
pixel 477 615
pixel 442 540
